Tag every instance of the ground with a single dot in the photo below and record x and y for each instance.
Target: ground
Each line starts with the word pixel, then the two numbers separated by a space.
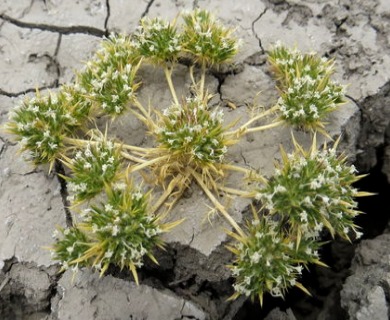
pixel 43 42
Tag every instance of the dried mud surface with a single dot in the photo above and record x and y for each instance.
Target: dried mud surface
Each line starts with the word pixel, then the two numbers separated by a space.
pixel 43 42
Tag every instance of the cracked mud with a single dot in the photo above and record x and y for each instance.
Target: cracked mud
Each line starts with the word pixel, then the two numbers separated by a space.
pixel 43 42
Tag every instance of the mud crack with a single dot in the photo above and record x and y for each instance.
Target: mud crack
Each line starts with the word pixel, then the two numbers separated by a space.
pixel 107 17
pixel 254 31
pixel 150 3
pixel 60 171
pixel 52 28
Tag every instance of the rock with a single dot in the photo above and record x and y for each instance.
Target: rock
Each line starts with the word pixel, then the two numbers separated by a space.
pixel 31 208
pixel 74 51
pixel 277 314
pixel 364 293
pixel 27 62
pixel 26 291
pixel 376 308
pixel 89 297
pixel 84 13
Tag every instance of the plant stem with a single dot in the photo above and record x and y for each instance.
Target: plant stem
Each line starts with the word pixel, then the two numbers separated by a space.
pixel 265 127
pixel 236 192
pixel 217 204
pixel 202 78
pixel 244 127
pixel 132 158
pixel 147 163
pixel 248 172
pixel 168 76
pixel 82 142
pixel 192 75
pixel 167 193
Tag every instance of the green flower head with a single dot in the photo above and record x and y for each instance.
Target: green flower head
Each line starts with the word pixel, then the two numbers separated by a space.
pixel 308 94
pixel 39 124
pixel 268 260
pixel 192 131
pixel 157 41
pixel 206 40
pixel 108 80
pixel 312 190
pixel 93 167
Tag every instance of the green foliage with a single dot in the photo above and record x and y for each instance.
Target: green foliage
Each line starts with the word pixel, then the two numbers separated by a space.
pixel 157 41
pixel 269 259
pixel 308 94
pixel 70 245
pixel 193 132
pixel 312 190
pixel 108 80
pixel 93 167
pixel 40 123
pixel 118 231
pixel 206 40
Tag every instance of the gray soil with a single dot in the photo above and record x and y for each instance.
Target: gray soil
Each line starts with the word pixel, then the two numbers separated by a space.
pixel 43 42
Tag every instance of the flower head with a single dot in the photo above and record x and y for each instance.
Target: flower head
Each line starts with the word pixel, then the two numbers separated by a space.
pixel 308 94
pixel 192 131
pixel 317 190
pixel 206 40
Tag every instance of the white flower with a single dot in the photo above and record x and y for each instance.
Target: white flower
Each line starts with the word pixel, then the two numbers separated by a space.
pixel 303 216
pixel 87 165
pixel 108 254
pixel 115 230
pixel 280 189
pixel 255 257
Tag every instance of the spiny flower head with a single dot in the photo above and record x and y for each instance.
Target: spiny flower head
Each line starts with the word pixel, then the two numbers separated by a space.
pixel 192 131
pixel 108 80
pixel 40 123
pixel 206 40
pixel 157 41
pixel 122 229
pixel 308 94
pixel 70 245
pixel 268 260
pixel 79 106
pixel 93 166
pixel 312 190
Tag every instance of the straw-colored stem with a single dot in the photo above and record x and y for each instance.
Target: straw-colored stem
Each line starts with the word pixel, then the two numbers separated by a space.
pixel 245 126
pixel 82 142
pixel 167 193
pixel 202 78
pixel 245 171
pixel 147 164
pixel 265 127
pixel 132 158
pixel 192 75
pixel 216 203
pixel 168 76
pixel 236 192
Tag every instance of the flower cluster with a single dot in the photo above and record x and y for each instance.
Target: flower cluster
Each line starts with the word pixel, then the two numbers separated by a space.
pixel 118 231
pixel 108 80
pixel 40 123
pixel 206 40
pixel 79 106
pixel 312 190
pixel 71 244
pixel 157 41
pixel 308 94
pixel 93 167
pixel 269 260
pixel 309 192
pixel 192 131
